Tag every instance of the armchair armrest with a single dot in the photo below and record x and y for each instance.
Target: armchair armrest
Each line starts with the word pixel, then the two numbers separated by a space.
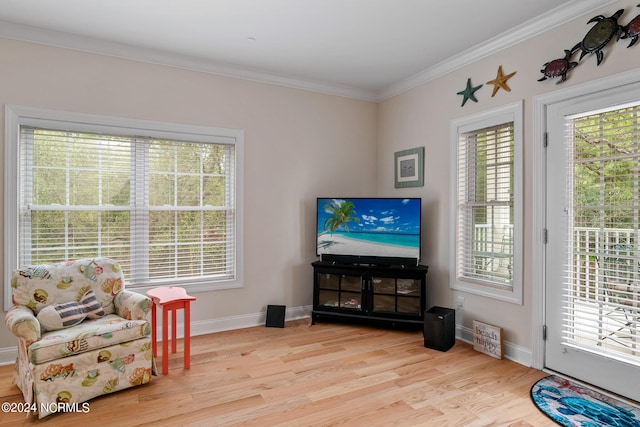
pixel 21 321
pixel 132 306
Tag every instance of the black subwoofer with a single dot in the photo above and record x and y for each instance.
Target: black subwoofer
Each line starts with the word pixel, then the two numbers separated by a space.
pixel 275 316
pixel 439 328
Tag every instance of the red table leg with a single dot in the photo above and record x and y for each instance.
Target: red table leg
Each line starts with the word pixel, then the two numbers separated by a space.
pixel 187 335
pixel 154 338
pixel 174 311
pixel 171 299
pixel 165 338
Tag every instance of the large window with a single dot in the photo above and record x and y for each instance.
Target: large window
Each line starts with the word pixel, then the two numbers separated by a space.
pixel 160 199
pixel 487 206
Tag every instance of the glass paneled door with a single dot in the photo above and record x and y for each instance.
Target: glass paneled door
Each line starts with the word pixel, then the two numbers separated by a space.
pixel 592 278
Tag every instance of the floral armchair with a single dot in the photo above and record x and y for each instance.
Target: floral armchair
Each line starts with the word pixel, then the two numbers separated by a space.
pixel 80 333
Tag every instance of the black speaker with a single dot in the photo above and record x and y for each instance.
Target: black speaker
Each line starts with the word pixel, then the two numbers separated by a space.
pixel 439 328
pixel 275 316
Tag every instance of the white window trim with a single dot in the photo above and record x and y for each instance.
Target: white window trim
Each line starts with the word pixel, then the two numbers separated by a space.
pixel 507 113
pixel 17 116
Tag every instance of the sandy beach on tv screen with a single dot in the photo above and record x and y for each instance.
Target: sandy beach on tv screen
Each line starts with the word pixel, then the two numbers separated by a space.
pixel 338 244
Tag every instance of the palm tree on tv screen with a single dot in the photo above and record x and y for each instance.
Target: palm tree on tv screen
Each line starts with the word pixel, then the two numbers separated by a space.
pixel 342 212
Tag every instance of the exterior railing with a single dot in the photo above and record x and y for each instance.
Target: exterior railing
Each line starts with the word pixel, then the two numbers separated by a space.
pixel 493 252
pixel 609 255
pixel 601 255
pixel 492 239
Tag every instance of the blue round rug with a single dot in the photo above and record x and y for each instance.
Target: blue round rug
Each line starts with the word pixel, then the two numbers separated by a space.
pixel 571 404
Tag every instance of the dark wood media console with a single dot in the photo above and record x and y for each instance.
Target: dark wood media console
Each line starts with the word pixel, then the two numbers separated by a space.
pixel 385 294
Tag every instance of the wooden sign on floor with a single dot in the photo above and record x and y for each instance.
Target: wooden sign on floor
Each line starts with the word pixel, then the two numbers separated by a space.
pixel 487 339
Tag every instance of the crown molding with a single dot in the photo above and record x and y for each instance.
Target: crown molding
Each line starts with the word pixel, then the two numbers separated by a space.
pixel 64 40
pixel 549 20
pixel 529 29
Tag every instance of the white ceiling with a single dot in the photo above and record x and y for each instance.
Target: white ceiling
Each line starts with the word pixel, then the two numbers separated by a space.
pixel 367 49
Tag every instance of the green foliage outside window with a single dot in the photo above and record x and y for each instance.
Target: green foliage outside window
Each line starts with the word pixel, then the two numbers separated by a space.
pixel 89 195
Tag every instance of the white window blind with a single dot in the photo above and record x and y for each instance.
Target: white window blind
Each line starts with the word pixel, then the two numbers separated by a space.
pixel 165 209
pixel 602 287
pixel 486 203
pixel 485 206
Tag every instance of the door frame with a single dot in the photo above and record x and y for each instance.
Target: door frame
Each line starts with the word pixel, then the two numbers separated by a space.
pixel 538 274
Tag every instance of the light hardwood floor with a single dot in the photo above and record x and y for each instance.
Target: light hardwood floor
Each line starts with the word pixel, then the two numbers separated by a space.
pixel 320 375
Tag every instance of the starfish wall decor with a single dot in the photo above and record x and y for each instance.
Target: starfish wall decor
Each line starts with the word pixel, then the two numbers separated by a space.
pixel 500 82
pixel 469 92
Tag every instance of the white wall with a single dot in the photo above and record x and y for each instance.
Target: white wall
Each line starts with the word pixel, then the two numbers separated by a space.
pixel 298 145
pixel 421 117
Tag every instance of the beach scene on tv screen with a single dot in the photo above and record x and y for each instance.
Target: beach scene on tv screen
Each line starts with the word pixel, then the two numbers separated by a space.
pixel 369 227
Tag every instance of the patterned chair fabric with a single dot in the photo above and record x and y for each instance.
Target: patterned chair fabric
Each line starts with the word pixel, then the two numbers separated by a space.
pixel 97 356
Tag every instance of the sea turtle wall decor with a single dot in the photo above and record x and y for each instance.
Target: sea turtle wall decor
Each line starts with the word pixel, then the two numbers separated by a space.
pixel 558 67
pixel 632 30
pixel 599 35
pixel 595 40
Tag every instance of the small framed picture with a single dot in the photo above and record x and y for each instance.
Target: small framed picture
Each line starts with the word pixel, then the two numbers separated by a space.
pixel 409 168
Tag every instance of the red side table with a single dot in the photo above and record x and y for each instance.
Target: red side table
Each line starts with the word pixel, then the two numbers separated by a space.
pixel 171 298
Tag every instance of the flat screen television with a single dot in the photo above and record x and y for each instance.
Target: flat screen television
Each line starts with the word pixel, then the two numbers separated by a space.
pixel 379 231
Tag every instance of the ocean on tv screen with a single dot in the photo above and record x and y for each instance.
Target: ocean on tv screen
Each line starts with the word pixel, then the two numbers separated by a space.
pixel 370 227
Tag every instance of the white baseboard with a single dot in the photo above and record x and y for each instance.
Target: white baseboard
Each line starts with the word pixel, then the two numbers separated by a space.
pixel 511 351
pixel 516 353
pixel 8 355
pixel 210 326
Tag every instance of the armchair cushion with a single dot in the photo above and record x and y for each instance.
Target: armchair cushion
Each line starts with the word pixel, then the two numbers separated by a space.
pixel 92 334
pixel 59 316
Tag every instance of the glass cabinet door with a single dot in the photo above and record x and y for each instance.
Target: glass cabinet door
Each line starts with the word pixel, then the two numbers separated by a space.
pixel 329 284
pixel 340 290
pixel 351 292
pixel 396 295
pixel 384 294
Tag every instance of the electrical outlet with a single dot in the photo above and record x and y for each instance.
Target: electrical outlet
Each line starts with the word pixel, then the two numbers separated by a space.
pixel 460 302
